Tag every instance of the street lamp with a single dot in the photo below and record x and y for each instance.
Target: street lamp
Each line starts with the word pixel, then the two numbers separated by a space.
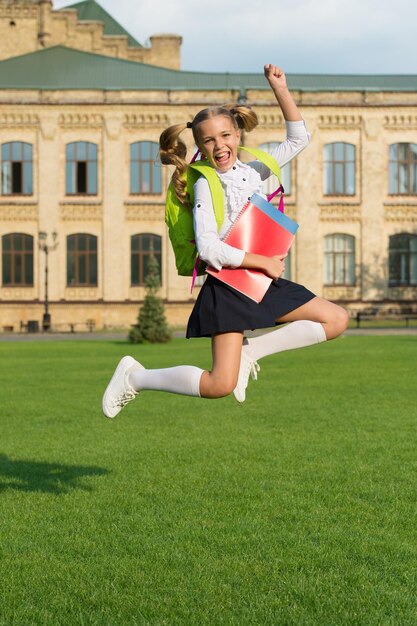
pixel 242 100
pixel 47 248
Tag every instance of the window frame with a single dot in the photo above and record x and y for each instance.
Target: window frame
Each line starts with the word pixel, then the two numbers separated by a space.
pixel 271 183
pixel 348 260
pixel 26 167
pixel 331 166
pixel 90 163
pixel 90 254
pixel 138 164
pixel 23 254
pixel 410 164
pixel 406 259
pixel 137 256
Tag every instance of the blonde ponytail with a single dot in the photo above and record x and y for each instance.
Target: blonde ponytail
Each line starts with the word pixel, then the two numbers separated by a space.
pixel 245 118
pixel 173 151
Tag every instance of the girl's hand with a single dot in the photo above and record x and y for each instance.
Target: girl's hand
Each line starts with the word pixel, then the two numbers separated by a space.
pixel 275 266
pixel 275 76
pixel 272 266
pixel 278 82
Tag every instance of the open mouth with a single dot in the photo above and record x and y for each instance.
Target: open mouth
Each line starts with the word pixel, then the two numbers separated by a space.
pixel 222 157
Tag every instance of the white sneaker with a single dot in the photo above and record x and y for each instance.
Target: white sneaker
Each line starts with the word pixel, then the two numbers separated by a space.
pixel 119 392
pixel 247 368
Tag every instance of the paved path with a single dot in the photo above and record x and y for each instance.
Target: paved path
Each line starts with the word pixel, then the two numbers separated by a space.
pixel 122 336
pixel 95 336
pixel 381 331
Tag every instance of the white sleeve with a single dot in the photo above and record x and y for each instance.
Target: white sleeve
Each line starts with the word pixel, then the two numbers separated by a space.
pixel 211 248
pixel 297 139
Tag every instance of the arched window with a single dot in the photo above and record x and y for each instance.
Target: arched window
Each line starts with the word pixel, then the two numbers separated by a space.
pixel 16 168
pixel 402 260
pixel 81 168
pixel 145 169
pixel 143 246
pixel 339 169
pixel 403 168
pixel 17 257
pixel 81 260
pixel 272 183
pixel 339 259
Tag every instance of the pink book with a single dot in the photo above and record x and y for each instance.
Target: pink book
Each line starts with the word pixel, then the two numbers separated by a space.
pixel 262 229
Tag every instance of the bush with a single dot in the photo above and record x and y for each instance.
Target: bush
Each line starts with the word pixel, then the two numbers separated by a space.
pixel 152 325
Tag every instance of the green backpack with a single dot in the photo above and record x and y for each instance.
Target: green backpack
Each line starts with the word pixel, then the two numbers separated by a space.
pixel 179 218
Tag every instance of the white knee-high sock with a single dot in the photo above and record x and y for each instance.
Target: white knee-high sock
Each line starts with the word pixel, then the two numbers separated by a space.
pixel 183 379
pixel 297 334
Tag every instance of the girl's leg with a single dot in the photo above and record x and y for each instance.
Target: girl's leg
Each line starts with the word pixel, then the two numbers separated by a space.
pixel 193 381
pixel 332 317
pixel 312 323
pixel 130 377
pixel 226 351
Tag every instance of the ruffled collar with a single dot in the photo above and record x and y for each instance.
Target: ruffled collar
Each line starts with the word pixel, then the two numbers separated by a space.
pixel 239 183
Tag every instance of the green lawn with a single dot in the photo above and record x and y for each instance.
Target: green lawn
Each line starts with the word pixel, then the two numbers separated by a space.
pixel 298 507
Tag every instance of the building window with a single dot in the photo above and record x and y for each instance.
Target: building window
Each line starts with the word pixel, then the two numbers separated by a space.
pixel 145 168
pixel 81 168
pixel 287 272
pixel 339 169
pixel 402 260
pixel 17 256
pixel 339 260
pixel 16 168
pixel 142 248
pixel 403 168
pixel 272 182
pixel 81 260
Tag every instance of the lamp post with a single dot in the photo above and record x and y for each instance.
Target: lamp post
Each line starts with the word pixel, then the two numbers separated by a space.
pixel 47 248
pixel 242 100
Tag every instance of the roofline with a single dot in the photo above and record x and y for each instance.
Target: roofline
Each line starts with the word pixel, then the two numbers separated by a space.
pixel 234 81
pixel 196 73
pixel 206 89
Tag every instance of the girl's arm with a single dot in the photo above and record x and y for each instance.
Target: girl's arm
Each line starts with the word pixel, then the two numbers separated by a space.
pixel 278 82
pixel 275 266
pixel 214 251
pixel 211 248
pixel 298 136
pixel 272 266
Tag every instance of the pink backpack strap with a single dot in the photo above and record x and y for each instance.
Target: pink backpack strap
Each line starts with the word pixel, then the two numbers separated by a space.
pixel 281 200
pixel 195 270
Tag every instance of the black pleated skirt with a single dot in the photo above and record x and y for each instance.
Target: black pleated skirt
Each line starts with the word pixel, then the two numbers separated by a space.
pixel 221 309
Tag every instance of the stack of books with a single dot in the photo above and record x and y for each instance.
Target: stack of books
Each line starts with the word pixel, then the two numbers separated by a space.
pixel 260 228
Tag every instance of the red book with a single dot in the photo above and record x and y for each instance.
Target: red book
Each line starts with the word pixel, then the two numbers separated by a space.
pixel 262 229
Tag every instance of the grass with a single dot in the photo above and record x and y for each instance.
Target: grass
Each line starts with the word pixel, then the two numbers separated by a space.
pixel 296 508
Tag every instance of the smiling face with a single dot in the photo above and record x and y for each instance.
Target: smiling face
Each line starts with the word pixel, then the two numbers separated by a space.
pixel 218 140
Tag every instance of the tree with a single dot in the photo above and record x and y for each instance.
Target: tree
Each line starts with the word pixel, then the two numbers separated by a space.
pixel 152 325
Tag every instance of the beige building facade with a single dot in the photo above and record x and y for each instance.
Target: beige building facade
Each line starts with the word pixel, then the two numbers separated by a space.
pixel 79 125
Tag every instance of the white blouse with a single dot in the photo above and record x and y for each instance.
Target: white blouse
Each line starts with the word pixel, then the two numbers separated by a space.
pixel 239 183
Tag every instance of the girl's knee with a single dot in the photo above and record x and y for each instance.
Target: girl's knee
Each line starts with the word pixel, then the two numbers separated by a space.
pixel 339 322
pixel 343 319
pixel 219 387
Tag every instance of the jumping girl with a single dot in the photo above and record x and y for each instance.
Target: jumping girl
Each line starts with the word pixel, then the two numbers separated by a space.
pixel 220 311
